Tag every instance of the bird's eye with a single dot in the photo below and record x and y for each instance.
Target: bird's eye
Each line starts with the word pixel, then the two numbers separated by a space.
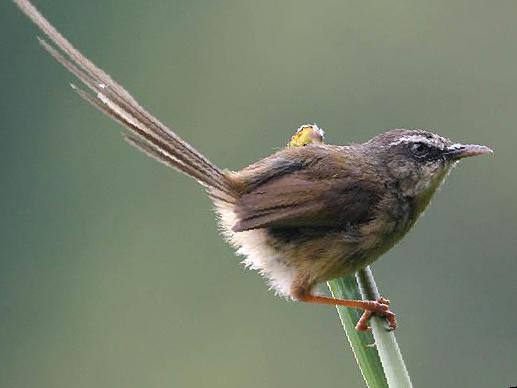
pixel 419 149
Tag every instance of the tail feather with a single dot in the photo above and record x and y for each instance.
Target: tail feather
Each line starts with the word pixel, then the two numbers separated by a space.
pixel 147 133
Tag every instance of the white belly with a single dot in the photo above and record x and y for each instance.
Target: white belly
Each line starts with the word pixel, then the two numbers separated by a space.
pixel 257 252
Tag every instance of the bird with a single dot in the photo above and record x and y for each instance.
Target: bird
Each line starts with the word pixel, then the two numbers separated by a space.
pixel 306 214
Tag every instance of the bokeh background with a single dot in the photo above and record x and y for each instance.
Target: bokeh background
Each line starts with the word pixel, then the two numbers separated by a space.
pixel 111 270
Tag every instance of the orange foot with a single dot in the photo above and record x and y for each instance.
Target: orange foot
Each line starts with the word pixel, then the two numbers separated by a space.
pixel 380 307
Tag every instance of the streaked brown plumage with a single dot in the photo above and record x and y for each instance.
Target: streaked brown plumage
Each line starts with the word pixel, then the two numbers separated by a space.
pixel 305 214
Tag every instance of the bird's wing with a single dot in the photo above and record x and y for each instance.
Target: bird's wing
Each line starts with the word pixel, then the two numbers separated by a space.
pixel 299 199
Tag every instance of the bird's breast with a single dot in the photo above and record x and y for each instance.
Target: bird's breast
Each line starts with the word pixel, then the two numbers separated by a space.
pixel 391 224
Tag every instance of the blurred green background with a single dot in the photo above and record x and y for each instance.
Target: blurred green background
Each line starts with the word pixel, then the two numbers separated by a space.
pixel 111 270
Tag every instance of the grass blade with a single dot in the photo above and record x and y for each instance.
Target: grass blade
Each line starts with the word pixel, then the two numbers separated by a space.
pixel 389 352
pixel 365 354
pixel 381 365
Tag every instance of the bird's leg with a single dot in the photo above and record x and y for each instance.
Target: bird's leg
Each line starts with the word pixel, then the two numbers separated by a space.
pixel 362 324
pixel 380 307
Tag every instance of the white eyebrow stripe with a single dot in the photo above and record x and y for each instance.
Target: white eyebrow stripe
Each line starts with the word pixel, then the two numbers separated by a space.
pixel 410 139
pixel 435 141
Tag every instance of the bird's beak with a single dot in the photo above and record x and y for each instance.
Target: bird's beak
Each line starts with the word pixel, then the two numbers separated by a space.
pixel 460 151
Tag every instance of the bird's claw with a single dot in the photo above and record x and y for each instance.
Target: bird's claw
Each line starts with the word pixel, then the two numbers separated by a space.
pixel 380 307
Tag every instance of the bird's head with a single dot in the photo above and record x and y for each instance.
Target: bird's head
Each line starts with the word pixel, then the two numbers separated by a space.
pixel 417 160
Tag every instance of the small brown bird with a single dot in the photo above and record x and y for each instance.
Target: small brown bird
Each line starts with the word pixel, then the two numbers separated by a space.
pixel 303 215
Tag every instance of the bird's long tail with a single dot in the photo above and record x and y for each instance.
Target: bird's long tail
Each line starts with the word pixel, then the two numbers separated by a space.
pixel 145 131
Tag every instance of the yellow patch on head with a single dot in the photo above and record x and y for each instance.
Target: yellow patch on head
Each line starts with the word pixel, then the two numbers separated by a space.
pixel 307 134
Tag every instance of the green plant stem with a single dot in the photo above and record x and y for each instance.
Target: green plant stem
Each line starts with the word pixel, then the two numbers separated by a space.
pixel 381 365
pixel 365 354
pixel 385 341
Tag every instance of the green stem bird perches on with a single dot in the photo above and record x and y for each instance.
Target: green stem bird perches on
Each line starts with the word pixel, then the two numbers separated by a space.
pixel 377 353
